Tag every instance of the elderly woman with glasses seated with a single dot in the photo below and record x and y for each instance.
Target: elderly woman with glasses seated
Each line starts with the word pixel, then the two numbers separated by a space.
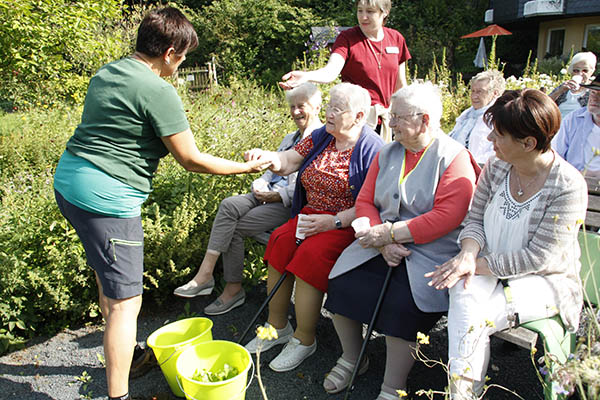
pixel 332 164
pixel 416 194
pixel 470 129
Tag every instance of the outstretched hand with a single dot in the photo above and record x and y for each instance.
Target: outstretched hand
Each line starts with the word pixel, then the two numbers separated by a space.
pixel 461 266
pixel 293 79
pixel 268 158
pixel 257 165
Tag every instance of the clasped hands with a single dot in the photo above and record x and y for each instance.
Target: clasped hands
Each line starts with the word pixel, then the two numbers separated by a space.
pixel 379 237
pixel 269 158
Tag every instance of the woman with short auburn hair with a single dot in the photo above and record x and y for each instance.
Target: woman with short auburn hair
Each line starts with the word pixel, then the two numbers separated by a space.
pixel 519 258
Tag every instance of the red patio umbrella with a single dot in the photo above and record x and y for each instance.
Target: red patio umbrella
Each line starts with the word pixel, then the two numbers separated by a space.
pixel 491 30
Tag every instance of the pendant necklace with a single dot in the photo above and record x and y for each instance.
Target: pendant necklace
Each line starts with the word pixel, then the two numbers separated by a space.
pixel 378 59
pixel 520 191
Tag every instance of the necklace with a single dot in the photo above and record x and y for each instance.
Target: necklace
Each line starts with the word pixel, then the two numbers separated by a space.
pixel 520 191
pixel 378 59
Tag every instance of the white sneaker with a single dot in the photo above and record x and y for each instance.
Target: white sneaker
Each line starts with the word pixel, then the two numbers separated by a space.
pixel 283 336
pixel 292 355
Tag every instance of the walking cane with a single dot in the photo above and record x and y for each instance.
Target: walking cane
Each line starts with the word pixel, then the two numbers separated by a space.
pixel 263 305
pixel 386 283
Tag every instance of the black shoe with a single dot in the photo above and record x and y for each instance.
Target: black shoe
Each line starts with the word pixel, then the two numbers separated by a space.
pixel 143 361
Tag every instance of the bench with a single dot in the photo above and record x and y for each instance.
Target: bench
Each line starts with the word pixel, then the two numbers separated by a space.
pixel 556 339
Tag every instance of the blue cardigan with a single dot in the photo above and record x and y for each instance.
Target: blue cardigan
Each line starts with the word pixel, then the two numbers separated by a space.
pixel 366 148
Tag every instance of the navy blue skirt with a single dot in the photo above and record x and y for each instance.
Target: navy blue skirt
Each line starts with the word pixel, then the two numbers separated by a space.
pixel 355 293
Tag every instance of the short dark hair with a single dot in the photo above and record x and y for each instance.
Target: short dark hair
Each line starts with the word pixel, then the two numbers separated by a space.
pixel 525 112
pixel 163 28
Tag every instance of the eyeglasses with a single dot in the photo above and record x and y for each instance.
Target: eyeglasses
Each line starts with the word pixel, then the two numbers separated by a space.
pixel 405 117
pixel 334 110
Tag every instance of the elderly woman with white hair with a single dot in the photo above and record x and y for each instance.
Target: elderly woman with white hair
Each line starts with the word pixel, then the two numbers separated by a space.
pixel 470 129
pixel 246 215
pixel 416 194
pixel 332 164
pixel 570 95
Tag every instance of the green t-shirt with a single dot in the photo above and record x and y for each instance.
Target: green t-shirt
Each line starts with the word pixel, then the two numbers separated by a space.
pixel 127 109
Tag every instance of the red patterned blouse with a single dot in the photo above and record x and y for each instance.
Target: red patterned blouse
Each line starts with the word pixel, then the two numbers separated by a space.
pixel 326 178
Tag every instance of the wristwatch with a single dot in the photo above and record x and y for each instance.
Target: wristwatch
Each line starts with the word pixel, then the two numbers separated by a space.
pixel 338 222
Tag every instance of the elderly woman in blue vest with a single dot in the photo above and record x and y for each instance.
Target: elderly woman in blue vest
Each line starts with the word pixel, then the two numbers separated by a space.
pixel 332 165
pixel 519 258
pixel 267 207
pixel 416 194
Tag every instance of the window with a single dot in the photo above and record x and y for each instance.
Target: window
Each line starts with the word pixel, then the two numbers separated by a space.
pixel 556 42
pixel 591 40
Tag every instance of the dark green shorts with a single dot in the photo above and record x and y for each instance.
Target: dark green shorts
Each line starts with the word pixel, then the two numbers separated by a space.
pixel 114 248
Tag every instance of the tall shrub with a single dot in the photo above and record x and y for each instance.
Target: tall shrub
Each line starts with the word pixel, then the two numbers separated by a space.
pixel 253 39
pixel 49 48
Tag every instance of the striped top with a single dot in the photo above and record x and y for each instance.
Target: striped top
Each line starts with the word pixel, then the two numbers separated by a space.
pixel 552 249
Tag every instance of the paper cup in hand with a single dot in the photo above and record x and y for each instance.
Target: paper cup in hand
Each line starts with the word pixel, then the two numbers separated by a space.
pixel 300 235
pixel 361 223
pixel 577 78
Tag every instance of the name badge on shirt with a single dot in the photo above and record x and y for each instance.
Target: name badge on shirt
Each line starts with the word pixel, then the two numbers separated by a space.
pixel 392 50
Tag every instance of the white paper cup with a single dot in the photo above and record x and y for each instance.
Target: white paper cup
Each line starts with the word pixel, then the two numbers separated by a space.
pixel 361 223
pixel 577 78
pixel 300 235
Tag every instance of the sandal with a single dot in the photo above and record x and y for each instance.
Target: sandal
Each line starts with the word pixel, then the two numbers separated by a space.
pixel 386 396
pixel 341 373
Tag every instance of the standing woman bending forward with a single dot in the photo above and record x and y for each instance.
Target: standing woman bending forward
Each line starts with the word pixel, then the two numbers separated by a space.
pixel 521 232
pixel 416 194
pixel 332 164
pixel 131 119
pixel 369 55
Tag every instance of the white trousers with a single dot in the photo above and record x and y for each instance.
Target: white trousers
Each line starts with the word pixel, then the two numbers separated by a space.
pixel 480 310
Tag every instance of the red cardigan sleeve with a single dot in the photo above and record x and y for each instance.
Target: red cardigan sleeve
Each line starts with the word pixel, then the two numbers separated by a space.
pixel 451 202
pixel 364 202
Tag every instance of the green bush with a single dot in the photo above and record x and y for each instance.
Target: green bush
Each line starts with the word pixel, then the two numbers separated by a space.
pixel 45 284
pixel 50 48
pixel 252 39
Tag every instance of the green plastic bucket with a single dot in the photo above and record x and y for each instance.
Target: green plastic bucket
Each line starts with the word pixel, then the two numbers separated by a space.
pixel 169 341
pixel 212 356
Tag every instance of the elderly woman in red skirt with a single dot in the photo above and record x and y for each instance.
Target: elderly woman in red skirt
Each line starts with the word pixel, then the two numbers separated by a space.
pixel 332 164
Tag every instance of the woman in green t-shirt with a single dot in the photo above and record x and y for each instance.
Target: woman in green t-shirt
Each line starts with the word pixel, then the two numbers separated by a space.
pixel 131 119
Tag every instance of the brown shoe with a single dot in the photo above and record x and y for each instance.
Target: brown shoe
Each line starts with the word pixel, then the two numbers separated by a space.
pixel 143 361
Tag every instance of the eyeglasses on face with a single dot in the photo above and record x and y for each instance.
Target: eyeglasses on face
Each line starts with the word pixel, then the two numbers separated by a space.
pixel 334 110
pixel 405 117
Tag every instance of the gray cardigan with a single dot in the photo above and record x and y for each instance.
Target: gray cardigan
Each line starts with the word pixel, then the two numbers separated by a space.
pixel 552 250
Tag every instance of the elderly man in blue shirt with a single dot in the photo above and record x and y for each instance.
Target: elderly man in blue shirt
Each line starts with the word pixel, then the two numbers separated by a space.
pixel 578 140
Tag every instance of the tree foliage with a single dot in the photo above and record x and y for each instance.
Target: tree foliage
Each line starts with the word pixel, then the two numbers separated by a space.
pixel 253 39
pixel 49 48
pixel 429 26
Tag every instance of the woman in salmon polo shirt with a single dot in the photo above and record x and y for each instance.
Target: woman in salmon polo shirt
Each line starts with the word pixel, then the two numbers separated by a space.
pixel 369 55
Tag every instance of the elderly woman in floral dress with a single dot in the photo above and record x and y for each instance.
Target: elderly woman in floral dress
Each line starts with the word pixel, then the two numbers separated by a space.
pixel 332 165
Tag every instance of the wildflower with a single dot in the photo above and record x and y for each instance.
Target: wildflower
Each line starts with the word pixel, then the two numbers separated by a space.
pixel 266 333
pixel 490 324
pixel 559 389
pixel 533 350
pixel 563 71
pixel 422 338
pixel 402 393
pixel 544 370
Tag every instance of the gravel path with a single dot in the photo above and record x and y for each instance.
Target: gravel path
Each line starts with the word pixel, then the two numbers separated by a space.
pixel 68 366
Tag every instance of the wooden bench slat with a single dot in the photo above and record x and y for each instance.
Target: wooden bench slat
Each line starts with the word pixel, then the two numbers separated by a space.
pixel 520 336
